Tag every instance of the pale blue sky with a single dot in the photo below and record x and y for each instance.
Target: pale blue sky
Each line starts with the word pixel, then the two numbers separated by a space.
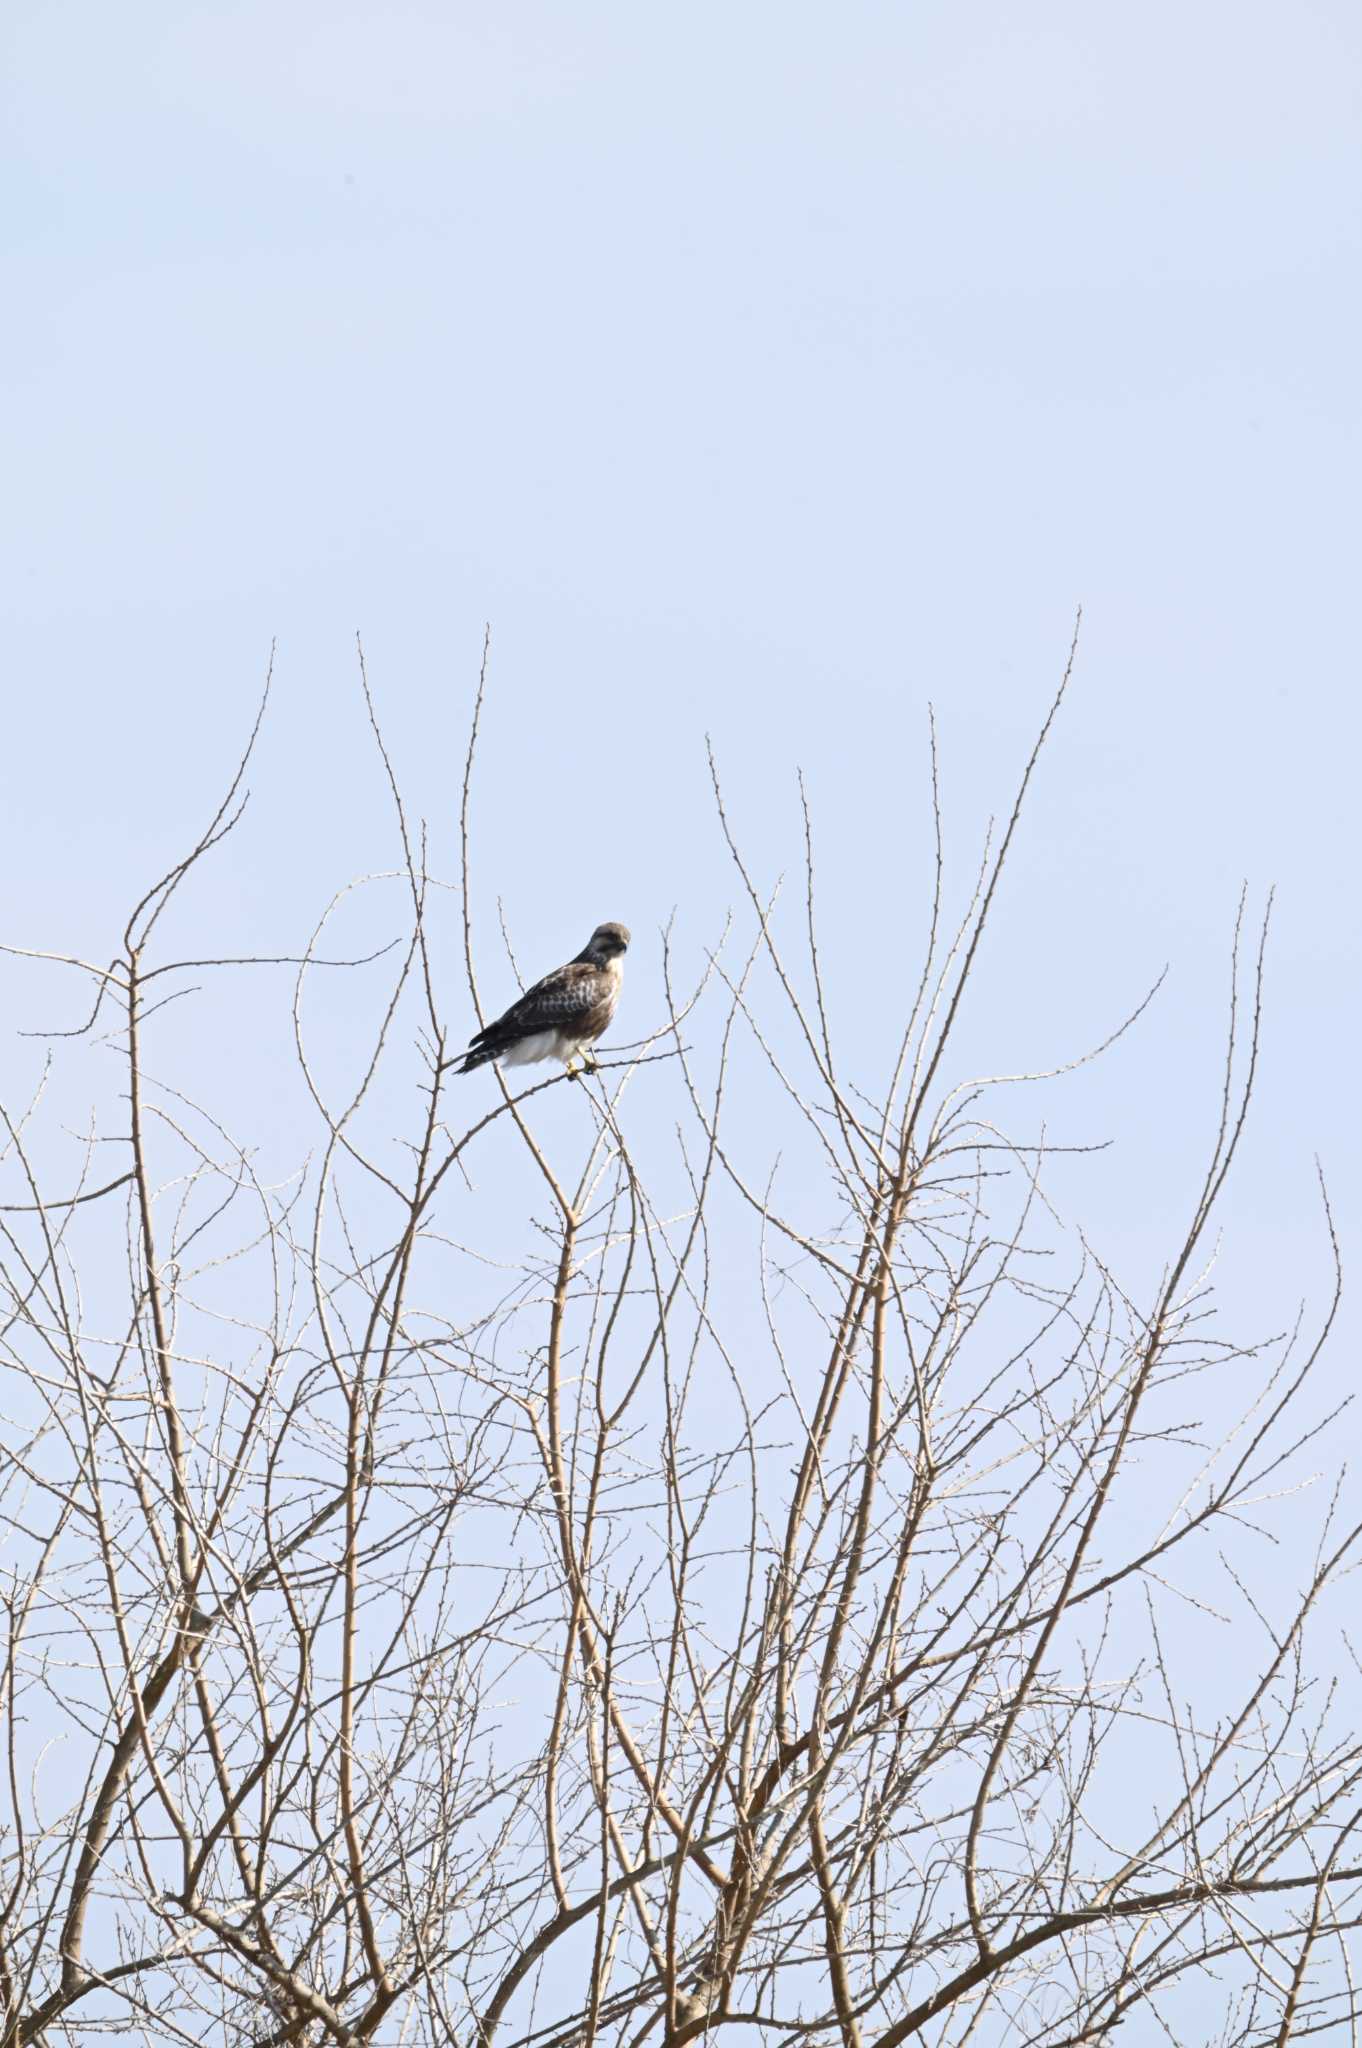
pixel 765 370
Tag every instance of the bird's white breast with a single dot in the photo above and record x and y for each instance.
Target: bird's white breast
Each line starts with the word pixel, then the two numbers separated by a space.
pixel 539 1045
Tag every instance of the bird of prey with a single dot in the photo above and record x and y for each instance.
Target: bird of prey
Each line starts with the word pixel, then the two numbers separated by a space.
pixel 563 1015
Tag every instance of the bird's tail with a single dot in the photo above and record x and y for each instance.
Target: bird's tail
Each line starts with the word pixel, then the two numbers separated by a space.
pixel 482 1047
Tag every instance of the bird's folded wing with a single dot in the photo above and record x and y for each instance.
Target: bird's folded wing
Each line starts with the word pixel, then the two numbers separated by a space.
pixel 561 997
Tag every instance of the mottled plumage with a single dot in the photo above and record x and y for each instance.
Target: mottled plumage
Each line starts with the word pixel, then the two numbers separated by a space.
pixel 562 1015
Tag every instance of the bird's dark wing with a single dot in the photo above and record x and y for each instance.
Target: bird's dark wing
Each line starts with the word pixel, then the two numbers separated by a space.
pixel 560 1000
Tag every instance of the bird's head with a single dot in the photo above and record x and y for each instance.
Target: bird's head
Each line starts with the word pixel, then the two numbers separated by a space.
pixel 607 942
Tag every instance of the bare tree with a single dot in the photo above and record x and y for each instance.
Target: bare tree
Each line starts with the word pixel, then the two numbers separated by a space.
pixel 683 1613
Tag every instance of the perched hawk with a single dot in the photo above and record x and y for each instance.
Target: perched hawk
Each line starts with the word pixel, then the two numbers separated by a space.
pixel 561 1015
